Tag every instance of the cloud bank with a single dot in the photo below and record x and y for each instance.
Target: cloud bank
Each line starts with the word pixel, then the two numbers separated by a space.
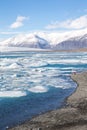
pixel 78 23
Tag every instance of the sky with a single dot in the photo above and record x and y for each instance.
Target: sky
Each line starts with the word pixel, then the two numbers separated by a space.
pixel 23 16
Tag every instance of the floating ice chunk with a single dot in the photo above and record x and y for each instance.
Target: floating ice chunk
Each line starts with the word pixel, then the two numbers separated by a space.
pixel 14 66
pixel 64 61
pixel 66 86
pixel 11 66
pixel 63 87
pixel 12 93
pixel 38 89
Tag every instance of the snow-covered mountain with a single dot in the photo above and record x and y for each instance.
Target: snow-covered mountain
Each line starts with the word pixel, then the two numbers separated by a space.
pixel 44 40
pixel 73 43
pixel 27 40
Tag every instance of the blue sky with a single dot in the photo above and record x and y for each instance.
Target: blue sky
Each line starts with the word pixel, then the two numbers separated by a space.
pixel 17 16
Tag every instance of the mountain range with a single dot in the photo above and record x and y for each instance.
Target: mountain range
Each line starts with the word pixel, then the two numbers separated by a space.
pixel 48 40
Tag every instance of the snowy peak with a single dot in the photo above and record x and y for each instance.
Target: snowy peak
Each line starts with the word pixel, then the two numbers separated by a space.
pixel 26 40
pixel 44 40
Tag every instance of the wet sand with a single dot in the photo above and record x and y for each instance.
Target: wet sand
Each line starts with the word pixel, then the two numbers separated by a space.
pixel 72 117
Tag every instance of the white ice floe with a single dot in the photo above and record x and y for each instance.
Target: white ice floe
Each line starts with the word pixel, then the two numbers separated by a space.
pixel 38 89
pixel 14 66
pixel 12 93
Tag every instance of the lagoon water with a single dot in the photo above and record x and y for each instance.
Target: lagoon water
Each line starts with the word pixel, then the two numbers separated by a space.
pixel 35 82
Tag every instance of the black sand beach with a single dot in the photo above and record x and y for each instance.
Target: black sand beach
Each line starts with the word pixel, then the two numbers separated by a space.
pixel 72 117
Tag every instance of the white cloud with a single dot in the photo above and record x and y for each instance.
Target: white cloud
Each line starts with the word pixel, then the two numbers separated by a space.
pixel 78 23
pixel 18 23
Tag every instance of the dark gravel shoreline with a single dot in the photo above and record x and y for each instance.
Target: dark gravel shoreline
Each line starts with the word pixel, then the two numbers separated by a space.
pixel 71 117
